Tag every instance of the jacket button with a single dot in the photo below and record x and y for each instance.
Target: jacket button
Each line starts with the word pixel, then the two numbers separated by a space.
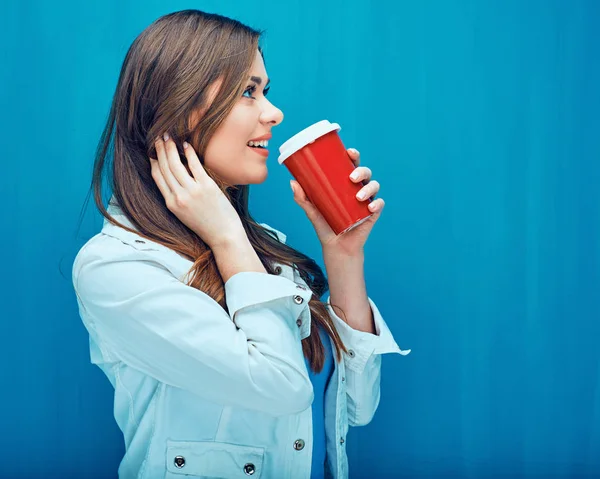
pixel 249 469
pixel 298 444
pixel 351 353
pixel 299 322
pixel 343 379
pixel 179 462
pixel 298 299
pixel 341 440
pixel 278 270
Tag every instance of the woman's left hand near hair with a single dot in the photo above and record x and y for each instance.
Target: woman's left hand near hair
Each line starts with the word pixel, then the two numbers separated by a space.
pixel 352 242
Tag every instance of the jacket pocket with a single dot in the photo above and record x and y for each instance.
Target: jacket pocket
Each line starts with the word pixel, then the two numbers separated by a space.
pixel 209 459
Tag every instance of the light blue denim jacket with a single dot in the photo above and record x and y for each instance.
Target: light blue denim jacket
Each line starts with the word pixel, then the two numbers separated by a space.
pixel 203 393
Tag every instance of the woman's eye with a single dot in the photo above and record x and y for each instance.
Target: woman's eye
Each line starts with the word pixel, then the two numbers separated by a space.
pixel 252 89
pixel 249 90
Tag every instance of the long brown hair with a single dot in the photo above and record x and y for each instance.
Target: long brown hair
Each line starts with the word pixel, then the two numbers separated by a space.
pixel 164 79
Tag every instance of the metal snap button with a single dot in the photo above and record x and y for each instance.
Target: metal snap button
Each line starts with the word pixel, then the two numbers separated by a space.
pixel 298 444
pixel 298 299
pixel 249 469
pixel 299 322
pixel 343 379
pixel 278 270
pixel 179 462
pixel 341 440
pixel 351 353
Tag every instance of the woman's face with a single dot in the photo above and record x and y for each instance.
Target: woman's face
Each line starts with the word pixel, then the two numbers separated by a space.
pixel 228 154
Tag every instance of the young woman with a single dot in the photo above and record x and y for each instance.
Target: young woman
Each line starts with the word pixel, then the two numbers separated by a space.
pixel 224 361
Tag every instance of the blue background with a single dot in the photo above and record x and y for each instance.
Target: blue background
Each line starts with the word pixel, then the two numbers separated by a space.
pixel 479 119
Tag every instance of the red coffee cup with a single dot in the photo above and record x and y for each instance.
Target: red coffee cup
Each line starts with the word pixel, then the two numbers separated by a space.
pixel 317 159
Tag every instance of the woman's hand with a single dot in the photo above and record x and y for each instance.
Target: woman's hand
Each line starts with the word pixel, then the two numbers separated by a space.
pixel 352 242
pixel 196 200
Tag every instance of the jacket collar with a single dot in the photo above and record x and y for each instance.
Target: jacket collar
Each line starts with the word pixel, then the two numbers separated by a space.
pixel 115 210
pixel 133 239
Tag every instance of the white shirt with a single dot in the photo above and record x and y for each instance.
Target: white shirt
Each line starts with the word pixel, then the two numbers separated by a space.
pixel 200 392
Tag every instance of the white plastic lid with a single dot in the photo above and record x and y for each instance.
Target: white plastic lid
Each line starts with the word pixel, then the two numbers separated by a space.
pixel 305 137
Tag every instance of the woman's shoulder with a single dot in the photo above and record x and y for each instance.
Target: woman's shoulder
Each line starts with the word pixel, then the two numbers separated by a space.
pixel 109 270
pixel 113 246
pixel 112 243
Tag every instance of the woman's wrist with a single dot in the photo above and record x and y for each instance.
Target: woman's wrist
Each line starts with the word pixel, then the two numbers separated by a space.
pixel 236 256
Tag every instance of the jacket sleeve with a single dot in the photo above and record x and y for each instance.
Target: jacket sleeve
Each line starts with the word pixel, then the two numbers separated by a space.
pixel 363 364
pixel 148 319
pixel 363 361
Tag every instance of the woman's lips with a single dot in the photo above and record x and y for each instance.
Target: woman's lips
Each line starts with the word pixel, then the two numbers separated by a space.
pixel 261 151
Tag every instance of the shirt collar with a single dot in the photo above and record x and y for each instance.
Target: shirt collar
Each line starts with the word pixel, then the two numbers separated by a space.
pixel 132 238
pixel 114 210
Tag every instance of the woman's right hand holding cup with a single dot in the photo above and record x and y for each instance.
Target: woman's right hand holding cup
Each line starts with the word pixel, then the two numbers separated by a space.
pixel 195 199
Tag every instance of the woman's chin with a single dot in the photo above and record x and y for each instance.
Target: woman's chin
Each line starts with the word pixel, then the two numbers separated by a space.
pixel 253 177
pixel 258 176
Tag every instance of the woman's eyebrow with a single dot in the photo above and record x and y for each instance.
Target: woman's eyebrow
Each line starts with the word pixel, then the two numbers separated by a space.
pixel 258 81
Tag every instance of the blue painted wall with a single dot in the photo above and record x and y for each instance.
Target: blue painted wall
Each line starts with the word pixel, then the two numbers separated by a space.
pixel 480 120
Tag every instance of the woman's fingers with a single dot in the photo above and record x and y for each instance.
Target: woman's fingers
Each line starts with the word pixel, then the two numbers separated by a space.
pixel 196 167
pixel 354 156
pixel 163 163
pixel 176 166
pixel 159 179
pixel 368 191
pixel 171 176
pixel 376 206
pixel 361 173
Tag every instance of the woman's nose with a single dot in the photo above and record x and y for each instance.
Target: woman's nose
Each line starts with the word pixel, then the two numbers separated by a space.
pixel 271 114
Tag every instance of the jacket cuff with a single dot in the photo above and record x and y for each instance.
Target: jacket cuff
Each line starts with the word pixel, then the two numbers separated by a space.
pixel 362 345
pixel 250 288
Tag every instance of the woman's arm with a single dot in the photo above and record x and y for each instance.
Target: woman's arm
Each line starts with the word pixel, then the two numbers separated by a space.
pixel 348 290
pixel 363 364
pixel 143 316
pixel 236 257
pixel 363 331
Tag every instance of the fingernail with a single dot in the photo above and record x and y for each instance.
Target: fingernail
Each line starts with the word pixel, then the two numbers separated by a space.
pixel 354 175
pixel 354 150
pixel 166 136
pixel 361 196
pixel 185 145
